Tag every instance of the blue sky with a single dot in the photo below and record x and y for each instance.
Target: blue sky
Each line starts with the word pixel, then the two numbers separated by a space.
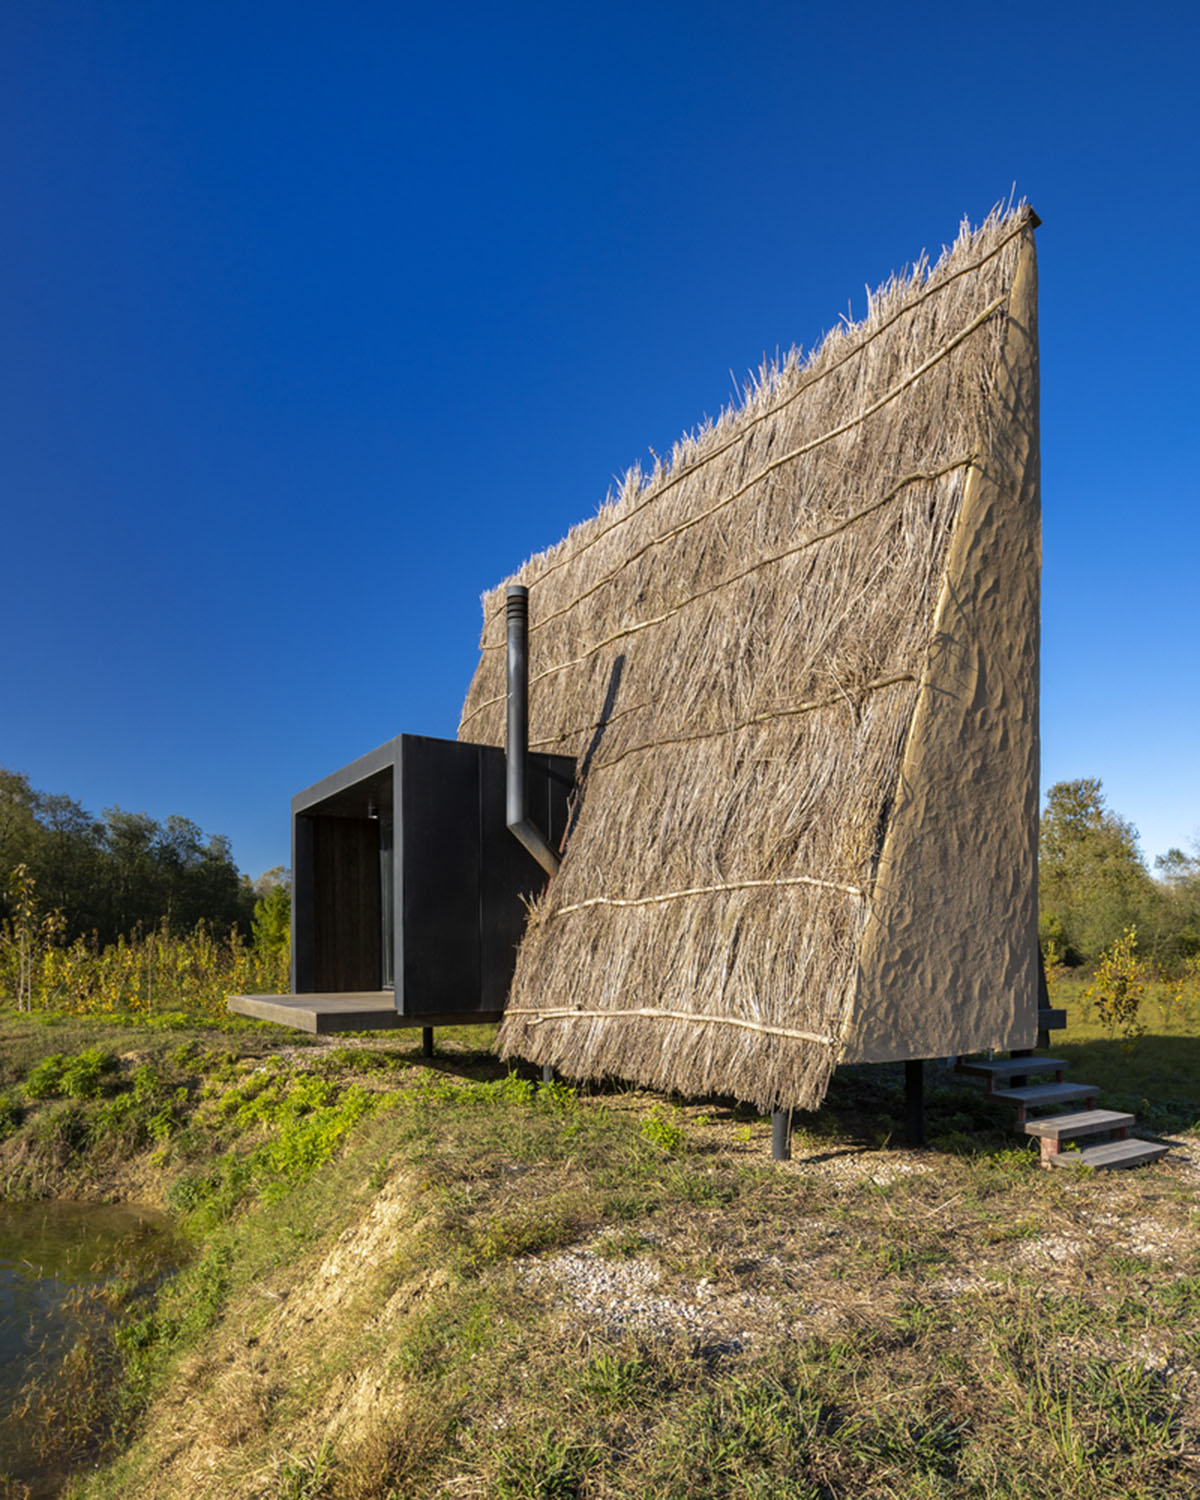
pixel 316 320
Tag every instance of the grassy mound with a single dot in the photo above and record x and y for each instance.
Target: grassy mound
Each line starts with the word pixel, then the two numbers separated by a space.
pixel 414 1280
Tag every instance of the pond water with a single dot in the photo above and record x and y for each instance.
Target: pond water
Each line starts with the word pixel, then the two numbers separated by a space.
pixel 52 1256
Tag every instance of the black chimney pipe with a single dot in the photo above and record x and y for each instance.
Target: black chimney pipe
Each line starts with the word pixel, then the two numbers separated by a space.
pixel 517 745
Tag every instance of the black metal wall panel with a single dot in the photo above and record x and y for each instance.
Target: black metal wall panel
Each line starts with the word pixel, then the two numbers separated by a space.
pixel 304 980
pixel 460 876
pixel 509 871
pixel 437 849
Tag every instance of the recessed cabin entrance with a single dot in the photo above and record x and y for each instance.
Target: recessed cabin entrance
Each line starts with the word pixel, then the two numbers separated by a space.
pixel 341 846
pixel 408 888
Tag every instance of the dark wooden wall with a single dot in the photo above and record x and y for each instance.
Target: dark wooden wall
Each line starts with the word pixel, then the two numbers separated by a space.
pixel 346 926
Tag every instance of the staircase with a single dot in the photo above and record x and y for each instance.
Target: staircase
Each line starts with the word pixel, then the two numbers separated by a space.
pixel 1030 1083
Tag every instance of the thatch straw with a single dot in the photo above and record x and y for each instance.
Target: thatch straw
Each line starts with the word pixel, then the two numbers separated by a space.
pixel 732 650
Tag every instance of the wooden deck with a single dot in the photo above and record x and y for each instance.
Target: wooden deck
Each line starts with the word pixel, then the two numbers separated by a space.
pixel 357 1010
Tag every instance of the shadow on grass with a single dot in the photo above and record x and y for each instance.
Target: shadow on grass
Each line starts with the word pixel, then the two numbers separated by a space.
pixel 865 1110
pixel 477 1067
pixel 868 1101
pixel 1155 1078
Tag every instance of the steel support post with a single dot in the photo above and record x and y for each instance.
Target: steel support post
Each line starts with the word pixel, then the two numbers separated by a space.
pixel 1019 1080
pixel 914 1100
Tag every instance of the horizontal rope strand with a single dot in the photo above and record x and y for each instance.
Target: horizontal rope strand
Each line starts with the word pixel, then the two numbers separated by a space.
pixel 706 890
pixel 811 541
pixel 765 718
pixel 654 1013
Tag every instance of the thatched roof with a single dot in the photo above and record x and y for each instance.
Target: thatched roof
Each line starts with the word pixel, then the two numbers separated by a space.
pixel 736 650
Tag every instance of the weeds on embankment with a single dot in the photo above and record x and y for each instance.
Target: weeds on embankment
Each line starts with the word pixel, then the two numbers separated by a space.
pixel 413 1281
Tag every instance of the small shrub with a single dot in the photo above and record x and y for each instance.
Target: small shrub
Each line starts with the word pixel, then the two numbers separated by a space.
pixel 1055 968
pixel 1118 987
pixel 118 1126
pixel 557 1095
pixel 87 1076
pixel 147 1085
pixel 1169 998
pixel 45 1080
pixel 664 1133
pixel 188 1191
pixel 82 1077
pixel 11 1115
pixel 514 1089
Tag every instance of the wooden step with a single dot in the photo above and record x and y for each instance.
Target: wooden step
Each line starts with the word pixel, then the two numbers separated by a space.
pixel 1052 1019
pixel 1012 1067
pixel 1112 1155
pixel 1046 1093
pixel 1055 1129
pixel 1082 1122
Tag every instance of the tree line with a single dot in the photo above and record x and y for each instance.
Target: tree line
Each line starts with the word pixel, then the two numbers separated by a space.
pixel 112 875
pixel 120 872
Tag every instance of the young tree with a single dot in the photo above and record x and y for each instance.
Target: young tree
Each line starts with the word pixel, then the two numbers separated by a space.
pixel 1093 882
pixel 18 819
pixel 273 913
pixel 1119 987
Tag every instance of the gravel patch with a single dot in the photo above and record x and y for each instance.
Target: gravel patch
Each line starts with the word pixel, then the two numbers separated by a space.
pixel 958 1286
pixel 627 1296
pixel 1053 1248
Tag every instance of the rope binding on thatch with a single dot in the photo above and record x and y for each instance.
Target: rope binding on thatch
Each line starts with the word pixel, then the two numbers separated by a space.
pixel 764 718
pixel 706 890
pixel 653 1013
pixel 784 458
pixel 923 476
pixel 796 453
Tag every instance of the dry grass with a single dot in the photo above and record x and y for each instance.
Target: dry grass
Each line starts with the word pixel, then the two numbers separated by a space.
pixel 731 650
